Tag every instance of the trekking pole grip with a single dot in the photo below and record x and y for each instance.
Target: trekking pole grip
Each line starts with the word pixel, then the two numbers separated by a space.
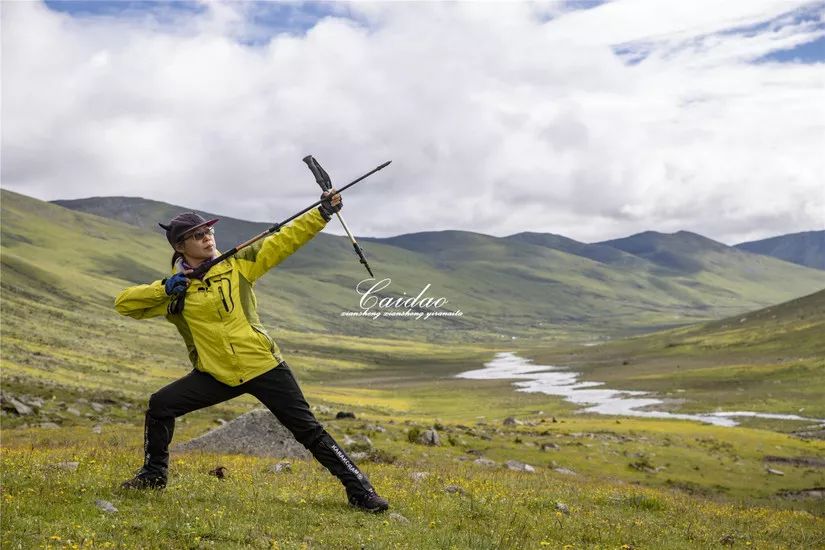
pixel 321 177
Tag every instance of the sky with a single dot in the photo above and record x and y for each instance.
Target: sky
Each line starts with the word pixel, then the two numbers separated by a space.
pixel 594 120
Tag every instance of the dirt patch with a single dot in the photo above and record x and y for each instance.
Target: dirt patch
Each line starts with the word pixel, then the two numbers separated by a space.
pixel 810 433
pixel 814 493
pixel 805 461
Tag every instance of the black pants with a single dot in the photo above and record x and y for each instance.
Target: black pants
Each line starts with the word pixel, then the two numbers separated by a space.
pixel 277 389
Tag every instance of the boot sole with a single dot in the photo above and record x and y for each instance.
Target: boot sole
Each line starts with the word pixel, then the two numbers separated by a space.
pixel 376 510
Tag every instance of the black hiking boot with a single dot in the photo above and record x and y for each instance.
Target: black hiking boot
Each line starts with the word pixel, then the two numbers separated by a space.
pixel 369 502
pixel 144 481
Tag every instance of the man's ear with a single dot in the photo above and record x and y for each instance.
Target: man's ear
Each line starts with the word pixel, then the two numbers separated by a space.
pixel 180 247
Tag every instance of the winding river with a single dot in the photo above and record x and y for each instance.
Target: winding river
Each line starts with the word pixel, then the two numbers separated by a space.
pixel 564 382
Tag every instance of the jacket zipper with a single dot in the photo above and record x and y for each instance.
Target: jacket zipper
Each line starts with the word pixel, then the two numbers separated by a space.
pixel 223 299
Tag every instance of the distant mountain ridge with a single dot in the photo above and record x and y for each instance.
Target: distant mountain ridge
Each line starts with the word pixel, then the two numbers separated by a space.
pixel 806 248
pixel 517 285
pixel 146 214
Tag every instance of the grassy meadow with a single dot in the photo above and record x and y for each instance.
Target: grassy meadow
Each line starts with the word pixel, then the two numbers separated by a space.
pixel 598 482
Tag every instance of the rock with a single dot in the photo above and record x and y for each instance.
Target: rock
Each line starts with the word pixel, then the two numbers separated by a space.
pixel 323 409
pixel 106 506
pixel 565 471
pixel 482 461
pixel 395 516
pixel 281 468
pixel 375 428
pixel 453 489
pixel 429 437
pixel 68 466
pixel 775 472
pixel 219 472
pixel 357 443
pixel 18 407
pixel 256 433
pixel 517 466
pixel 97 429
pixel 359 455
pixel 562 507
pixel 97 407
pixel 419 476
pixel 511 421
pixel 33 401
pixel 345 414
pixel 549 446
pixel 220 421
pixel 50 425
pixel 72 410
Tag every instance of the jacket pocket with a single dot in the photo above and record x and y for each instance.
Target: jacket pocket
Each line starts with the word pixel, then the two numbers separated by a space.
pixel 264 338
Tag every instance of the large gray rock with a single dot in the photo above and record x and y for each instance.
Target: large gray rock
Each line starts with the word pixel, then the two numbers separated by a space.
pixel 519 466
pixel 20 408
pixel 429 437
pixel 256 433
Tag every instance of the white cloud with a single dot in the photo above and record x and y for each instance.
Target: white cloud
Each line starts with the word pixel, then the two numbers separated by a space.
pixel 497 119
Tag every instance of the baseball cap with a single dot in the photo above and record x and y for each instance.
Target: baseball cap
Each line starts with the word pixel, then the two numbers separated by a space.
pixel 183 223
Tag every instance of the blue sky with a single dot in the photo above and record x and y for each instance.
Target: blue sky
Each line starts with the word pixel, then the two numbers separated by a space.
pixel 592 120
pixel 268 18
pixel 273 18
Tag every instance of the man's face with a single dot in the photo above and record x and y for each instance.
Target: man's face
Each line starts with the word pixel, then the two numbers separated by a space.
pixel 199 244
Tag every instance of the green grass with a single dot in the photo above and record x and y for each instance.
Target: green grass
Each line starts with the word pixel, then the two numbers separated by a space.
pixel 640 483
pixel 495 508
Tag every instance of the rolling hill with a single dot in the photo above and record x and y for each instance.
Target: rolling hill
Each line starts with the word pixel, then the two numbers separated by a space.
pixel 806 248
pixel 526 285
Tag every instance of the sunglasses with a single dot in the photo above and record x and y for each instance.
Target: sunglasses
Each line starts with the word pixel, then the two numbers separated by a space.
pixel 200 234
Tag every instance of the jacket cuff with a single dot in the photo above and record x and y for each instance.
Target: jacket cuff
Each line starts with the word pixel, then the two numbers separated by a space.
pixel 324 214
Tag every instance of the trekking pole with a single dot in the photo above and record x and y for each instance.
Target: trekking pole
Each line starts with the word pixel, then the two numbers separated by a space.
pixel 323 179
pixel 177 303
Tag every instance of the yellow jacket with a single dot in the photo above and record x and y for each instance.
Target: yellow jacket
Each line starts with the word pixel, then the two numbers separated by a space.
pixel 220 322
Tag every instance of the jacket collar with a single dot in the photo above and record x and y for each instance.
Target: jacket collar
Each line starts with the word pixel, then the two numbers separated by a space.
pixel 223 267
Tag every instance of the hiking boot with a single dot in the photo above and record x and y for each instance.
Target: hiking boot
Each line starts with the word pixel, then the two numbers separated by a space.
pixel 144 481
pixel 369 502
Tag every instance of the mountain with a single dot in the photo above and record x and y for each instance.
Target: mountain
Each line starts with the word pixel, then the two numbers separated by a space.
pixel 806 248
pixel 527 285
pixel 596 252
pixel 146 214
pixel 681 252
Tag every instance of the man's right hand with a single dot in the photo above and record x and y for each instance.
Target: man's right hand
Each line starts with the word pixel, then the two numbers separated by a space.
pixel 176 284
